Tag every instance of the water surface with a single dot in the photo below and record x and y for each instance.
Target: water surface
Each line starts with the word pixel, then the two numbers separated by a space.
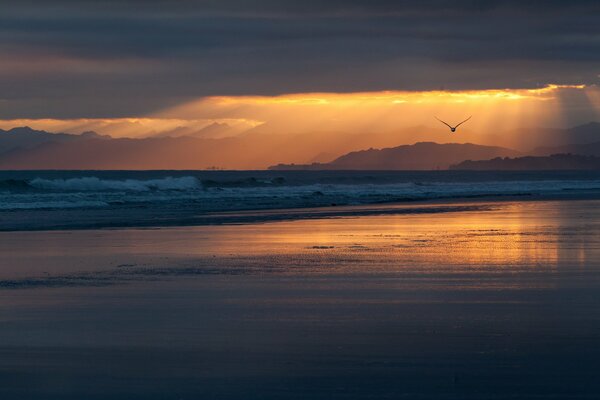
pixel 495 302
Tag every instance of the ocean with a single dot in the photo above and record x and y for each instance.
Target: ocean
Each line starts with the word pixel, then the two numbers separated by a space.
pixel 32 200
pixel 172 285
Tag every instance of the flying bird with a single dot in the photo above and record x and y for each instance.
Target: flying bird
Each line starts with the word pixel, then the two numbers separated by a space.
pixel 453 128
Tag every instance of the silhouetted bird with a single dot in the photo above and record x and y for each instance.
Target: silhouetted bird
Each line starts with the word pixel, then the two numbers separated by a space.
pixel 453 128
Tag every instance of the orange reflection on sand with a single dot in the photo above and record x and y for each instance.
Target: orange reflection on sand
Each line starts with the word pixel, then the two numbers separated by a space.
pixel 502 245
pixel 514 237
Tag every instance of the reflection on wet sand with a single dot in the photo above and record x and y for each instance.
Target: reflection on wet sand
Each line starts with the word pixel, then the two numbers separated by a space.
pixel 462 305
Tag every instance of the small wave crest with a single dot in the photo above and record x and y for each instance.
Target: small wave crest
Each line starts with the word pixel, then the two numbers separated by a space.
pixel 250 182
pixel 96 184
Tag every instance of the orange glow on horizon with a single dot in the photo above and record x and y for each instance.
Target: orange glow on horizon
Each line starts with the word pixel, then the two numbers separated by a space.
pixel 498 113
pixel 405 116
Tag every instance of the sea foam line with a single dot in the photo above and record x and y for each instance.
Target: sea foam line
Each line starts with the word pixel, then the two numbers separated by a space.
pixel 97 184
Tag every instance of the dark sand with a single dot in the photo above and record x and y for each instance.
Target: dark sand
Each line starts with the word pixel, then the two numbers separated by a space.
pixel 498 302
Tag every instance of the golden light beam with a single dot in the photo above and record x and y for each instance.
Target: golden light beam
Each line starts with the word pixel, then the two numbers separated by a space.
pixel 496 113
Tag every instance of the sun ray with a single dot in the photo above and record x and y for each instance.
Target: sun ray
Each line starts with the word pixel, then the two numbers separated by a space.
pixel 498 114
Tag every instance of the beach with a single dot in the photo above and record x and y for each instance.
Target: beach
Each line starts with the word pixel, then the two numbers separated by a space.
pixel 485 300
pixel 299 200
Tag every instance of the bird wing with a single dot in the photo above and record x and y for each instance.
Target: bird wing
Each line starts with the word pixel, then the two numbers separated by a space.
pixel 464 121
pixel 443 122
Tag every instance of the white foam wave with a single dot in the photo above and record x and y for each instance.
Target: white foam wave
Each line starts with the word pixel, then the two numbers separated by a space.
pixel 96 184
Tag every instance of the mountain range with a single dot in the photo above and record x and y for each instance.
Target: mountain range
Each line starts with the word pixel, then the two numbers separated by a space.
pixel 25 138
pixel 531 138
pixel 420 156
pixel 26 148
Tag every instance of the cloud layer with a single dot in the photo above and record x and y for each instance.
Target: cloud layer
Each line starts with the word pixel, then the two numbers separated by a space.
pixel 104 59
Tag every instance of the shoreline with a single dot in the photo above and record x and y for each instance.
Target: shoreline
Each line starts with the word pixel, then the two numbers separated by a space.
pixel 258 216
pixel 484 304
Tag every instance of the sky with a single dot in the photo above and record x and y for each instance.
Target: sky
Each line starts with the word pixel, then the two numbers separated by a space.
pixel 139 68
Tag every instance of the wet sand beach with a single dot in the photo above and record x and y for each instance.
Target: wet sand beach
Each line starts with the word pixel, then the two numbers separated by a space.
pixel 493 301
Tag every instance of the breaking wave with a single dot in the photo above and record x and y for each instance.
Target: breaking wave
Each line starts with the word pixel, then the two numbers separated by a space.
pixel 92 184
pixel 197 192
pixel 97 184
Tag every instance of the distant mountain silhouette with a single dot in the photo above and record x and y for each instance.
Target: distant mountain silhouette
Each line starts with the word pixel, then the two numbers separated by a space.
pixel 252 150
pixel 26 138
pixel 554 137
pixel 589 149
pixel 26 148
pixel 552 162
pixel 419 156
pixel 586 133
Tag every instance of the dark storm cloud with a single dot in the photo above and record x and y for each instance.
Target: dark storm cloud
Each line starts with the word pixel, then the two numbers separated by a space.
pixel 115 58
